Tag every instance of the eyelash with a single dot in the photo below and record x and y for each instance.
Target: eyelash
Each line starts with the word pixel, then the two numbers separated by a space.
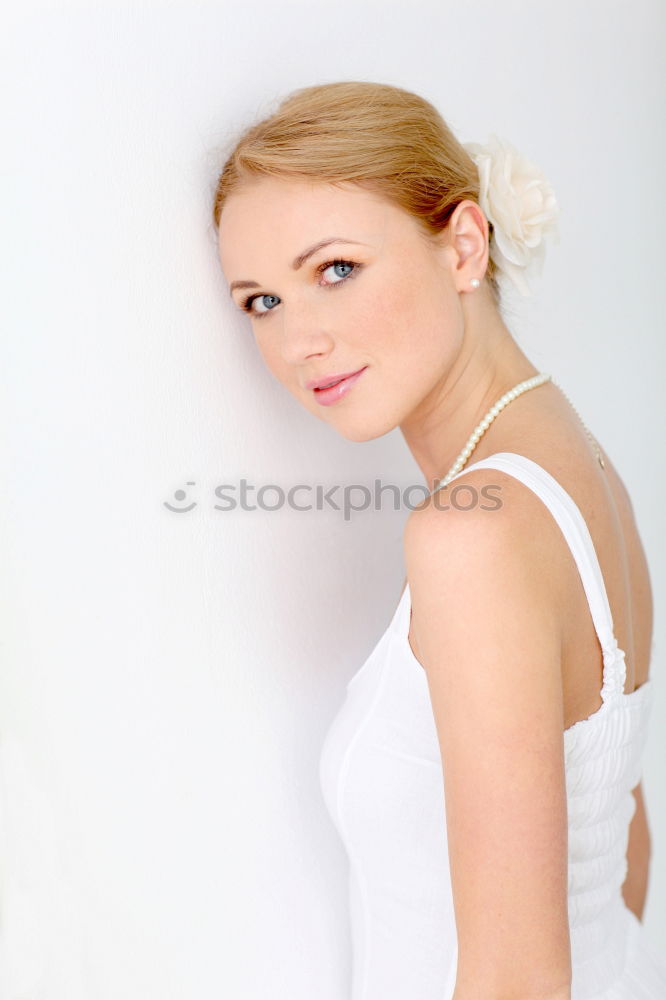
pixel 247 303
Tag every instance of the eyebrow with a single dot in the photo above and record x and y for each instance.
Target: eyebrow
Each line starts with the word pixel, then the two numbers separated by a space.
pixel 299 260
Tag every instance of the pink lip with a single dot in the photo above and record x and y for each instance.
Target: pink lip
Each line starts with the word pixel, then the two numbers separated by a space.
pixel 328 396
pixel 317 383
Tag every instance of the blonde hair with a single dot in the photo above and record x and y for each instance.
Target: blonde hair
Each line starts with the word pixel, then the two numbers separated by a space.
pixel 388 140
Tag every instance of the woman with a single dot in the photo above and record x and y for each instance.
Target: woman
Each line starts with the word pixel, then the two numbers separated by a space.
pixel 484 770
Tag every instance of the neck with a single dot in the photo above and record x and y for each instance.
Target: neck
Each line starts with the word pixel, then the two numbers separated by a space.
pixel 488 364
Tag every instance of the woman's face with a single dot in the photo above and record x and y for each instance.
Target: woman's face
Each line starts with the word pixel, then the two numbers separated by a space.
pixel 390 306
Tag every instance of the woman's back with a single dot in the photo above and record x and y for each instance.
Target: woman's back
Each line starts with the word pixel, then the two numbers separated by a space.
pixel 383 785
pixel 547 430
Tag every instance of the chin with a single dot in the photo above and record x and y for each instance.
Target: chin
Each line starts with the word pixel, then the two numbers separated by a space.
pixel 362 430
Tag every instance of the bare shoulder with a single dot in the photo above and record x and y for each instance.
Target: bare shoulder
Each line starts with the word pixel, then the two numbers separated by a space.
pixel 475 518
pixel 475 564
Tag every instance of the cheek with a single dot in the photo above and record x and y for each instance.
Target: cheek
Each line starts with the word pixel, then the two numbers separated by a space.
pixel 385 313
pixel 271 356
pixel 401 293
pixel 413 318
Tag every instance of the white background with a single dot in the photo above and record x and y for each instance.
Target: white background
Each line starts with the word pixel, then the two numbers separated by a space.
pixel 167 679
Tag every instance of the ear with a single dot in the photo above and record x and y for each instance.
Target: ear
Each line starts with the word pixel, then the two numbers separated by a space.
pixel 465 241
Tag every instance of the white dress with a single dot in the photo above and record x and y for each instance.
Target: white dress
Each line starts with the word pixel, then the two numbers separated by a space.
pixel 381 777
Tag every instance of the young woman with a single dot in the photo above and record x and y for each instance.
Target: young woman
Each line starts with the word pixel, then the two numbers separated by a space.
pixel 484 769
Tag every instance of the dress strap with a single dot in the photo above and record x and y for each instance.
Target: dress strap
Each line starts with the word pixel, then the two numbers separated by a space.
pixel 576 533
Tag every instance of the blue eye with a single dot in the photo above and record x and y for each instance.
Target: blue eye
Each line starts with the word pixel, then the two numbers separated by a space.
pixel 338 263
pixel 249 302
pixel 274 299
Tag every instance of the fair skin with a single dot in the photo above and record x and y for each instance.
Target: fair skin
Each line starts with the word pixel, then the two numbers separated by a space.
pixel 438 355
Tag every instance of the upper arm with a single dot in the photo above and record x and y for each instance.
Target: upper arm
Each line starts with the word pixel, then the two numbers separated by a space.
pixel 490 643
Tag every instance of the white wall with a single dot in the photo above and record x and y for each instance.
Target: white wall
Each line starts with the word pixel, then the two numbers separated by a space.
pixel 167 679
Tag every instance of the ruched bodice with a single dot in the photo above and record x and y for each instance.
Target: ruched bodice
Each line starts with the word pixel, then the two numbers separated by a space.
pixel 381 778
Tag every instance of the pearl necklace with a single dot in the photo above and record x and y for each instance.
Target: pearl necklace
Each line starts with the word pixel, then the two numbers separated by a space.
pixel 483 425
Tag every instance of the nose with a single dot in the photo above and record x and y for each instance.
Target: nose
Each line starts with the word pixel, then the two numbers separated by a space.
pixel 303 335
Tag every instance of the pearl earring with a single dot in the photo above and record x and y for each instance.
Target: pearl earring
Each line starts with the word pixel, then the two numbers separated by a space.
pixel 474 282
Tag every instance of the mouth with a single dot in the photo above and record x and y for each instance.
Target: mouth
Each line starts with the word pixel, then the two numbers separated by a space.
pixel 331 394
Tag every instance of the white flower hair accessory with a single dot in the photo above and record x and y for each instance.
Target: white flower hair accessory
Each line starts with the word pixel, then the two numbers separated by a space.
pixel 516 197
